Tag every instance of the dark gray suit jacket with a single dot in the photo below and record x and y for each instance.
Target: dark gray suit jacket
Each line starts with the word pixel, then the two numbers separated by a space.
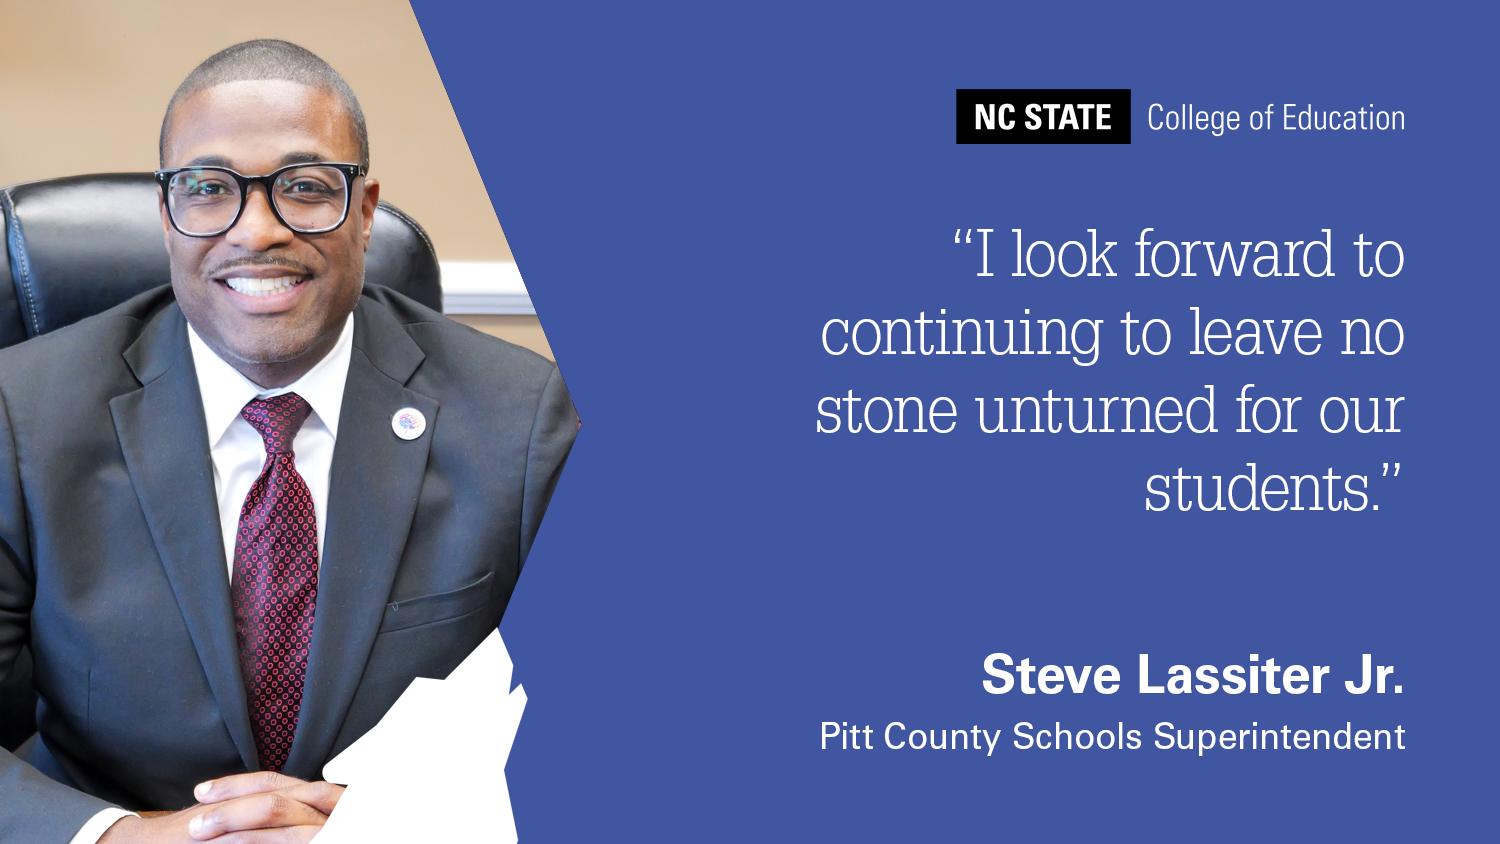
pixel 112 563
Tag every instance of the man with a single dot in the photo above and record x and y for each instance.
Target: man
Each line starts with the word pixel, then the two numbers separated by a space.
pixel 239 515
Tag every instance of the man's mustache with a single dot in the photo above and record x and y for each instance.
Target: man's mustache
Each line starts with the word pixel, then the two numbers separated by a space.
pixel 223 269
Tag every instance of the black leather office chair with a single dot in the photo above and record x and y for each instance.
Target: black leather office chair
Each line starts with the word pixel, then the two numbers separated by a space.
pixel 83 244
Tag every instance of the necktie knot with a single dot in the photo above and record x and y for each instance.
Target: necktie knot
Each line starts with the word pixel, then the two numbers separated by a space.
pixel 278 419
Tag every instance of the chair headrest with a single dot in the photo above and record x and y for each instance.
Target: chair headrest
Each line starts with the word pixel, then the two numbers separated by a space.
pixel 80 245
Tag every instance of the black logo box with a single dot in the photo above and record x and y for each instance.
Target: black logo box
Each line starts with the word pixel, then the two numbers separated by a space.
pixel 1028 115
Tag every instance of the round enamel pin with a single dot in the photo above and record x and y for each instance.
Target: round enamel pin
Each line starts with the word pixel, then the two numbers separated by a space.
pixel 408 423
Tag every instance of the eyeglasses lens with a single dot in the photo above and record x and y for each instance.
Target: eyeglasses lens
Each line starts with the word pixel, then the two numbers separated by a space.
pixel 311 199
pixel 203 201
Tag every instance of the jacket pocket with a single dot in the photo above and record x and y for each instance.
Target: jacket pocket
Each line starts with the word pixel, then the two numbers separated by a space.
pixel 412 612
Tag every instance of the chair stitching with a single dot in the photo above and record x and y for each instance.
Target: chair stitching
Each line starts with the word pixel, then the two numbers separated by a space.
pixel 20 255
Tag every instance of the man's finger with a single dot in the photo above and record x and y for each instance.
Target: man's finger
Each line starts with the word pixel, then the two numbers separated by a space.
pixel 240 785
pixel 323 796
pixel 284 835
pixel 254 812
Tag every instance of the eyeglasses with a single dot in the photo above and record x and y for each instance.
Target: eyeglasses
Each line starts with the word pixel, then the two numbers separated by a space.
pixel 306 198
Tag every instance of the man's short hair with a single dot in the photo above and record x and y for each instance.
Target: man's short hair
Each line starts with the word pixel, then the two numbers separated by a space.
pixel 269 58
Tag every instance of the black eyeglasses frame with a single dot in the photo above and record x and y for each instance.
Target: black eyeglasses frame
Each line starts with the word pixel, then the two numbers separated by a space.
pixel 350 171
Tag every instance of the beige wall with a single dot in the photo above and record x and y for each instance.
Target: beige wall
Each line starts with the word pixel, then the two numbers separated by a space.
pixel 83 86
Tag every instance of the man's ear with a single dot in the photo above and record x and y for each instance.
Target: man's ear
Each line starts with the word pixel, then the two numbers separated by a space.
pixel 166 222
pixel 367 203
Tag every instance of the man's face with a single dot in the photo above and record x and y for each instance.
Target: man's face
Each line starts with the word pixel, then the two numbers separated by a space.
pixel 255 127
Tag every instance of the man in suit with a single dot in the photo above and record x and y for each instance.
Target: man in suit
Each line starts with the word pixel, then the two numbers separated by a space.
pixel 239 515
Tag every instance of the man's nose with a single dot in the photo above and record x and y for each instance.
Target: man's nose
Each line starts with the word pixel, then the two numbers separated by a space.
pixel 257 228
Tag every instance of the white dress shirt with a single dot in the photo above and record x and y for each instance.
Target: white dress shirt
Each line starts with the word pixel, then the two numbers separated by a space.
pixel 239 453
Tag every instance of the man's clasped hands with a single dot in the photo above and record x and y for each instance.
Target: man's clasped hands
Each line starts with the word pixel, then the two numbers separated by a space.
pixel 258 808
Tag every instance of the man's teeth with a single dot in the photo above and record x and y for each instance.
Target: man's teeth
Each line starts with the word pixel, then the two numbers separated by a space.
pixel 263 286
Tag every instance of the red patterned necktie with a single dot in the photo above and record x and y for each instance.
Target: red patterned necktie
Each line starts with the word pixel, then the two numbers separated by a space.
pixel 275 586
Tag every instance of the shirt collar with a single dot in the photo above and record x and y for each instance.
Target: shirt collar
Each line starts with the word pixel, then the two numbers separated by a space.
pixel 225 391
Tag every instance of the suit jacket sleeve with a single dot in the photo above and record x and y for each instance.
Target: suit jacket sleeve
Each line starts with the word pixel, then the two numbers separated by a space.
pixel 33 807
pixel 552 432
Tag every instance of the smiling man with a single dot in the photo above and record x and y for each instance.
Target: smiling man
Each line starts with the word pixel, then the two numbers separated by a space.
pixel 240 514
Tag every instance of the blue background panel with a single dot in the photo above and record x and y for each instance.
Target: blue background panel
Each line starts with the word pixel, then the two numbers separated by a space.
pixel 693 191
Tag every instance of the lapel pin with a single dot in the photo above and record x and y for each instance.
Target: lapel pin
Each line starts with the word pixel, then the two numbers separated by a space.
pixel 408 423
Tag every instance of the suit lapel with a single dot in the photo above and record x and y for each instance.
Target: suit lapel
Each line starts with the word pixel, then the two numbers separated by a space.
pixel 165 443
pixel 372 498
